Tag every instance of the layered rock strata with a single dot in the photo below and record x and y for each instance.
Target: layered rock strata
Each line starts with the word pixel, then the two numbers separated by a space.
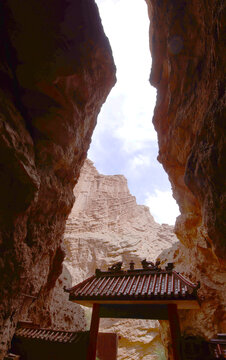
pixel 188 70
pixel 56 70
pixel 106 226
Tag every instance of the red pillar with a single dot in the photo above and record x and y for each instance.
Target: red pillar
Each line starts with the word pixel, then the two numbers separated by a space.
pixel 175 331
pixel 92 347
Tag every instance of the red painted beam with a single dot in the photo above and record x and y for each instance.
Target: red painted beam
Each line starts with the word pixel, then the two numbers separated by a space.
pixel 175 331
pixel 92 347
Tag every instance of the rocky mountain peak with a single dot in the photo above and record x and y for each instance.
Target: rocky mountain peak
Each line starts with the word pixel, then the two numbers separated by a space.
pixel 116 228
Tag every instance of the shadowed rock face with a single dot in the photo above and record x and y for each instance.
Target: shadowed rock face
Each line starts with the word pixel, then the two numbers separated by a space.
pixel 56 71
pixel 186 40
pixel 211 318
pixel 56 311
pixel 188 70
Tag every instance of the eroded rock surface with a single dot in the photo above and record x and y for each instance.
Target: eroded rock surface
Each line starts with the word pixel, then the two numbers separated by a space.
pixel 187 44
pixel 188 70
pixel 211 318
pixel 55 311
pixel 56 70
pixel 106 226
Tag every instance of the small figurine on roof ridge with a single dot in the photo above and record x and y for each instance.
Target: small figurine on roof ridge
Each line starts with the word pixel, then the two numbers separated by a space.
pixel 116 267
pixel 169 266
pixel 147 265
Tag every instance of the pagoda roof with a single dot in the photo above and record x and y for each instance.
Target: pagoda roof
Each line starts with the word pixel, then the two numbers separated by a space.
pixel 30 341
pixel 56 336
pixel 148 285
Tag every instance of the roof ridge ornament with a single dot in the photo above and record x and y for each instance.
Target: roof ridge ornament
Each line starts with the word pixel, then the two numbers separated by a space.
pixel 169 266
pixel 131 265
pixel 149 284
pixel 116 267
pixel 149 265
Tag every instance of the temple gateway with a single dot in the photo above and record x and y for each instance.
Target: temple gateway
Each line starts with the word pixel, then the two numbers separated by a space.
pixel 146 293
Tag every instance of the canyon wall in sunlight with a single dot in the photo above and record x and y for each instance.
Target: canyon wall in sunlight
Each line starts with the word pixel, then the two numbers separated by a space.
pixel 56 71
pixel 106 226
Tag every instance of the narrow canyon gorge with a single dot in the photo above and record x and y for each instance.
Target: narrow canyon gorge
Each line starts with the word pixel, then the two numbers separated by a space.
pixel 56 71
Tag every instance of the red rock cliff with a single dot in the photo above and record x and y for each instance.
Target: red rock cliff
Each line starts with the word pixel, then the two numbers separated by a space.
pixel 56 70
pixel 188 70
pixel 187 45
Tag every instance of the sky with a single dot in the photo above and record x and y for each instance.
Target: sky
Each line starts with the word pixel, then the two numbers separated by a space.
pixel 124 140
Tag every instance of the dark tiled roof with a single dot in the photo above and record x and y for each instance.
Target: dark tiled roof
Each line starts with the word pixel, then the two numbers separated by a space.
pixel 48 335
pixel 141 284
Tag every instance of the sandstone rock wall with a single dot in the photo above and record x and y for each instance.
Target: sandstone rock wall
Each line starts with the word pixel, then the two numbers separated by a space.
pixel 55 311
pixel 211 318
pixel 106 226
pixel 56 70
pixel 188 70
pixel 187 44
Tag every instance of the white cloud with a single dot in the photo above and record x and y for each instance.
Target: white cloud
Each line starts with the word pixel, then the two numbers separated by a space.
pixel 136 128
pixel 162 206
pixel 139 160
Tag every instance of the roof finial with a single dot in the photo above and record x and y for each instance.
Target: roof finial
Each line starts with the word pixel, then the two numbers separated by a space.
pixel 116 267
